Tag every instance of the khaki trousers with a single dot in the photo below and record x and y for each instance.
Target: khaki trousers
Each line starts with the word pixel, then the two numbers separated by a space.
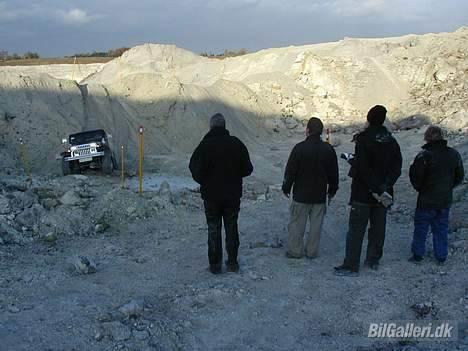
pixel 299 213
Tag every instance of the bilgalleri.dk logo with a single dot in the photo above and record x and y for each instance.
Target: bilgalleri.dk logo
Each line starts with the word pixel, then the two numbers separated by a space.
pixel 418 330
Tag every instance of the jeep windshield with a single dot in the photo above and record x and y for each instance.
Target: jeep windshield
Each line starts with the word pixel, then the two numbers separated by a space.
pixel 87 137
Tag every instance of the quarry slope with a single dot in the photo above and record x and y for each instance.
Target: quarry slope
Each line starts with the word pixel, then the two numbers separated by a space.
pixel 173 92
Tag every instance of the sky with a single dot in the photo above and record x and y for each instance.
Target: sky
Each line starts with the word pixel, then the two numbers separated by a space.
pixel 56 28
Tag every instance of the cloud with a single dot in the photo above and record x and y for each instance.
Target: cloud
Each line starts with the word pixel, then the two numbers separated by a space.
pixel 75 16
pixel 6 13
pixel 232 4
pixel 358 8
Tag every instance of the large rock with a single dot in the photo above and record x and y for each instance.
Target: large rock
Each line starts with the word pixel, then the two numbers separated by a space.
pixel 83 265
pixel 412 122
pixel 70 198
pixel 21 200
pixel 117 331
pixel 9 235
pixel 30 216
pixel 4 205
pixel 132 309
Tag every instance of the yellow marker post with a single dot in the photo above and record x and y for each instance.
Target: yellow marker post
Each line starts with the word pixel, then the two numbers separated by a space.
pixel 328 136
pixel 140 163
pixel 122 167
pixel 24 158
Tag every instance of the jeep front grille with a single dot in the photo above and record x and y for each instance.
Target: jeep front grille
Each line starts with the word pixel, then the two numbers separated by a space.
pixel 84 150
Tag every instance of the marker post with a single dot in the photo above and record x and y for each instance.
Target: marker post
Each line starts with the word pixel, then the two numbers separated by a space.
pixel 140 162
pixel 24 158
pixel 122 163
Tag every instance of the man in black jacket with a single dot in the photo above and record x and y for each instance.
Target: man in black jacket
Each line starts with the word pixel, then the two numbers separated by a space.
pixel 218 164
pixel 375 169
pixel 434 173
pixel 312 172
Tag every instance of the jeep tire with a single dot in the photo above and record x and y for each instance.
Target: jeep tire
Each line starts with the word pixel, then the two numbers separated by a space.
pixel 107 164
pixel 66 169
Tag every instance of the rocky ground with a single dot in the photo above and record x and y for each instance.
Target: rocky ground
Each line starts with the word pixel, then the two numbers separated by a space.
pixel 87 265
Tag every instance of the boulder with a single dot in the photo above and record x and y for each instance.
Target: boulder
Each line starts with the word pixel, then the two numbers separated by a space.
pixel 412 122
pixel 117 331
pixel 134 308
pixel 30 216
pixel 70 198
pixel 4 205
pixel 49 203
pixel 9 235
pixel 83 265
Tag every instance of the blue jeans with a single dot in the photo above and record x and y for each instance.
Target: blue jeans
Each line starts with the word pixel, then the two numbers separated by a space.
pixel 438 220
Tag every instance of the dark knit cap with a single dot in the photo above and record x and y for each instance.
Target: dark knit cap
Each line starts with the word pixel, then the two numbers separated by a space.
pixel 376 115
pixel 315 126
pixel 217 120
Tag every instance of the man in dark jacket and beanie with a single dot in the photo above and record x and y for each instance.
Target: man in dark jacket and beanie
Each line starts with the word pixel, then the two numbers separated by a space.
pixel 436 170
pixel 374 170
pixel 218 164
pixel 312 172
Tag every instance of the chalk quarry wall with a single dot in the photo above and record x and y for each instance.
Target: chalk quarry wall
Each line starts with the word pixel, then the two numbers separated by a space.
pixel 173 92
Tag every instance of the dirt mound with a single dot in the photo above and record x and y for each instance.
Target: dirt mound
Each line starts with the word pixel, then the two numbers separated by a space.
pixel 173 92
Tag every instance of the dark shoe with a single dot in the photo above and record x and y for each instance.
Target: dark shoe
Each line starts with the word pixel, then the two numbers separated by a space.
pixel 340 268
pixel 216 269
pixel 415 259
pixel 289 255
pixel 372 265
pixel 232 267
pixel 344 272
pixel 441 262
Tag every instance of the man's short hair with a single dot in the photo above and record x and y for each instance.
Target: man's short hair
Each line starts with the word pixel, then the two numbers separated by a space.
pixel 217 120
pixel 433 133
pixel 315 126
pixel 376 115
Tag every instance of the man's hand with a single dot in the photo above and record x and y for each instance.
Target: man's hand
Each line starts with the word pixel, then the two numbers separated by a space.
pixel 385 199
pixel 286 194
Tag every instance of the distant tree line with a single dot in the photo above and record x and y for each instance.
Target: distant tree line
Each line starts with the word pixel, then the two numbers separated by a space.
pixel 5 56
pixel 110 53
pixel 226 53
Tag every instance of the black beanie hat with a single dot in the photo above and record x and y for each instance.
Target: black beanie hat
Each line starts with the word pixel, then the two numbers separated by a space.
pixel 376 115
pixel 315 126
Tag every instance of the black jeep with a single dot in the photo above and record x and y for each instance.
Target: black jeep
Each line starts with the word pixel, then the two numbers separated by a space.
pixel 88 149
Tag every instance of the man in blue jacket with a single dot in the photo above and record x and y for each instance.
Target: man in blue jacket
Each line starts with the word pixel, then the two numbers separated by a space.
pixel 436 170
pixel 218 164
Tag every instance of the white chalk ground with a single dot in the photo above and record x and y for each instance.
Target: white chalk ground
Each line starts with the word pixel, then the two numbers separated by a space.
pixel 152 183
pixel 155 253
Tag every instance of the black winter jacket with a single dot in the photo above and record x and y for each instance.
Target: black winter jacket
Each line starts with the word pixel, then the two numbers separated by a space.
pixel 218 164
pixel 434 173
pixel 312 169
pixel 376 165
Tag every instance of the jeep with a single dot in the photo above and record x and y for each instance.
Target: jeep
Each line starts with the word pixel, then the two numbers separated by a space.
pixel 88 149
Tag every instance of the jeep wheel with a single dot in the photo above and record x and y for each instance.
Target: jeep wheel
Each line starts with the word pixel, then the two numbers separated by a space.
pixel 107 164
pixel 65 167
pixel 75 167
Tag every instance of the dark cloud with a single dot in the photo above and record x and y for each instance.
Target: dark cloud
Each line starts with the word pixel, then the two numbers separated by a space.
pixel 56 28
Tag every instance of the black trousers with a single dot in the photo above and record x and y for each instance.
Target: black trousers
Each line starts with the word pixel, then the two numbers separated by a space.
pixel 217 212
pixel 359 216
